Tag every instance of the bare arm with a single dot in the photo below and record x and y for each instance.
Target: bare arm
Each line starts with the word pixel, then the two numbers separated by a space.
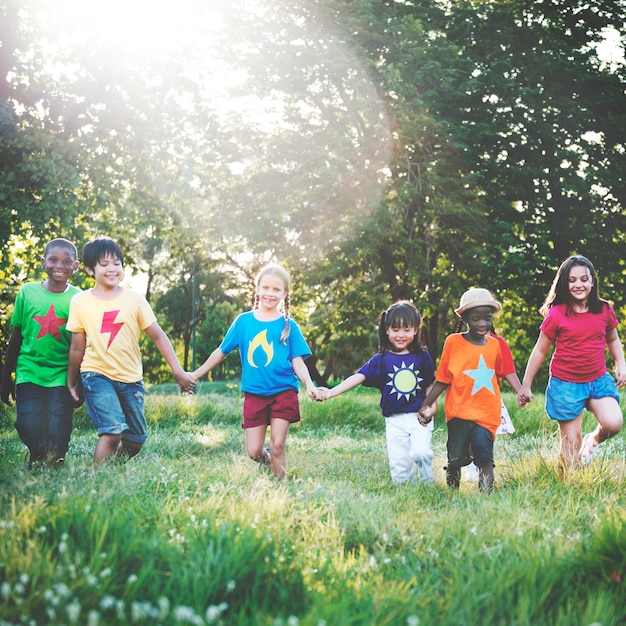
pixel 7 386
pixel 514 381
pixel 77 352
pixel 185 380
pixel 537 356
pixel 617 352
pixel 215 358
pixel 429 406
pixel 303 374
pixel 349 383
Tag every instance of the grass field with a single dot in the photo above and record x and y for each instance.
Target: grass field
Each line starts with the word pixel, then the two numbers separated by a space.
pixel 190 532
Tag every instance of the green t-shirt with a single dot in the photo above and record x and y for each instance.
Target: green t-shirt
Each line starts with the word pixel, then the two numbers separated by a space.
pixel 44 353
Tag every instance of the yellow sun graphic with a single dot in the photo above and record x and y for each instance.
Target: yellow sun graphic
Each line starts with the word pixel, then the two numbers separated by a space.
pixel 404 381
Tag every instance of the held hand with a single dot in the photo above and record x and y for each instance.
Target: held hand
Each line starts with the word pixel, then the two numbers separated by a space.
pixel 321 394
pixel 426 413
pixel 524 396
pixel 7 391
pixel 186 381
pixel 76 394
pixel 620 376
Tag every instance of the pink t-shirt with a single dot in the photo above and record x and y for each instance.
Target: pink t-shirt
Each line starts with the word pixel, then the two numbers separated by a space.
pixel 580 342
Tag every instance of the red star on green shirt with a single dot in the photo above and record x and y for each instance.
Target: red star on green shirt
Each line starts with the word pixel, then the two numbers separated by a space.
pixel 50 323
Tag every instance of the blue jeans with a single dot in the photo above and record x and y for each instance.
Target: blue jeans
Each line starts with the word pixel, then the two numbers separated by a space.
pixel 115 408
pixel 44 419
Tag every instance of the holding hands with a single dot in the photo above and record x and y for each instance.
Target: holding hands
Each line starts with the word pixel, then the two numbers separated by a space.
pixel 524 395
pixel 320 394
pixel 426 413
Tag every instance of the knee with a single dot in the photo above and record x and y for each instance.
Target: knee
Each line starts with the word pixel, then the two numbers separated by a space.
pixel 277 448
pixel 422 454
pixel 484 463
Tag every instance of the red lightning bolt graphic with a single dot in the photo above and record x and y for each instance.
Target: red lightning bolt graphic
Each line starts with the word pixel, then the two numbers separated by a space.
pixel 109 325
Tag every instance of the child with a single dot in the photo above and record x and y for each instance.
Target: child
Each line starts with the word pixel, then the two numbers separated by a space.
pixel 468 371
pixel 581 325
pixel 402 371
pixel 272 352
pixel 506 423
pixel 38 352
pixel 105 322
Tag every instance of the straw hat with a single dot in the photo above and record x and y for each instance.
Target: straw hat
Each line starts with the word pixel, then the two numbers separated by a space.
pixel 477 297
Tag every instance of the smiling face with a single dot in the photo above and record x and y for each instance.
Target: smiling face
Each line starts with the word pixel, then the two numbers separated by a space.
pixel 108 272
pixel 579 284
pixel 479 322
pixel 401 338
pixel 59 264
pixel 271 291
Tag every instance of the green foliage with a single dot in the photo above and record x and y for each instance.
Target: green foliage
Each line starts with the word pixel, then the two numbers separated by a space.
pixel 380 150
pixel 190 532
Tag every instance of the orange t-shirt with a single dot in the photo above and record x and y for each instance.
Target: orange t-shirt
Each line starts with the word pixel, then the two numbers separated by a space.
pixel 472 375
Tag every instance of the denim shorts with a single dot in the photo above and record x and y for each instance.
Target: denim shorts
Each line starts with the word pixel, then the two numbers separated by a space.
pixel 565 401
pixel 115 408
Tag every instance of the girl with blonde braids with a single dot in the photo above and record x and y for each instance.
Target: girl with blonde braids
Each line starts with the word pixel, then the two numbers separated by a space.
pixel 272 352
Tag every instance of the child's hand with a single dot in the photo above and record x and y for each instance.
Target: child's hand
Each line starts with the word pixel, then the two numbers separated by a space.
pixel 186 381
pixel 7 390
pixel 426 413
pixel 620 376
pixel 320 394
pixel 524 396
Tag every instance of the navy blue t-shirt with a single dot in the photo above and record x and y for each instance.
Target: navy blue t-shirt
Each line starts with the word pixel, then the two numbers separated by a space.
pixel 402 380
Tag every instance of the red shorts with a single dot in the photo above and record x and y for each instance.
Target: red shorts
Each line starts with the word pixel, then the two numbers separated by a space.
pixel 260 410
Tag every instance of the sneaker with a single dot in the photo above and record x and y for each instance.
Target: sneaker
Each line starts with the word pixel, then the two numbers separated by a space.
pixel 587 449
pixel 266 464
pixel 471 472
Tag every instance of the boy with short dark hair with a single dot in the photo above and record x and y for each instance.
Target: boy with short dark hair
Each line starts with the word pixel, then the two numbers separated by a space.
pixel 106 322
pixel 38 352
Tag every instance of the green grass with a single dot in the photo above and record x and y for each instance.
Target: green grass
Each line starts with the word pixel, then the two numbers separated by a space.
pixel 189 532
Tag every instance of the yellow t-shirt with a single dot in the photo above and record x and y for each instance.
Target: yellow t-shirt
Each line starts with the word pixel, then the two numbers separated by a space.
pixel 472 375
pixel 112 329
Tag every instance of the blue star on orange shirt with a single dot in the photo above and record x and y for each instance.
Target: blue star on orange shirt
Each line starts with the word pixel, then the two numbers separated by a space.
pixel 483 376
pixel 50 324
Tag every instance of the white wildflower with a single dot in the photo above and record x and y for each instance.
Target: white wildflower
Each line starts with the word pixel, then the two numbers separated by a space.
pixel 93 618
pixel 73 611
pixel 107 602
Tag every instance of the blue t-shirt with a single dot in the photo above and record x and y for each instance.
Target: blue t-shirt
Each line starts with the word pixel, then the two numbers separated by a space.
pixel 265 362
pixel 402 380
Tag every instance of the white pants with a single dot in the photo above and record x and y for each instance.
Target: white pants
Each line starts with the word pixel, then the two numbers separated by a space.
pixel 408 446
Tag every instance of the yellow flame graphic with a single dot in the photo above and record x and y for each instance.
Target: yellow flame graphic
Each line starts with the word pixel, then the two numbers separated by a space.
pixel 260 341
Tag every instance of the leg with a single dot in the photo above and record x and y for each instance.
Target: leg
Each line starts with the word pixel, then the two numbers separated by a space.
pixel 571 438
pixel 60 422
pixel 106 448
pixel 279 429
pixel 401 465
pixel 131 397
pixel 610 420
pixel 421 448
pixel 609 415
pixel 482 446
pixel 30 406
pixel 128 449
pixel 105 411
pixel 255 443
pixel 458 450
